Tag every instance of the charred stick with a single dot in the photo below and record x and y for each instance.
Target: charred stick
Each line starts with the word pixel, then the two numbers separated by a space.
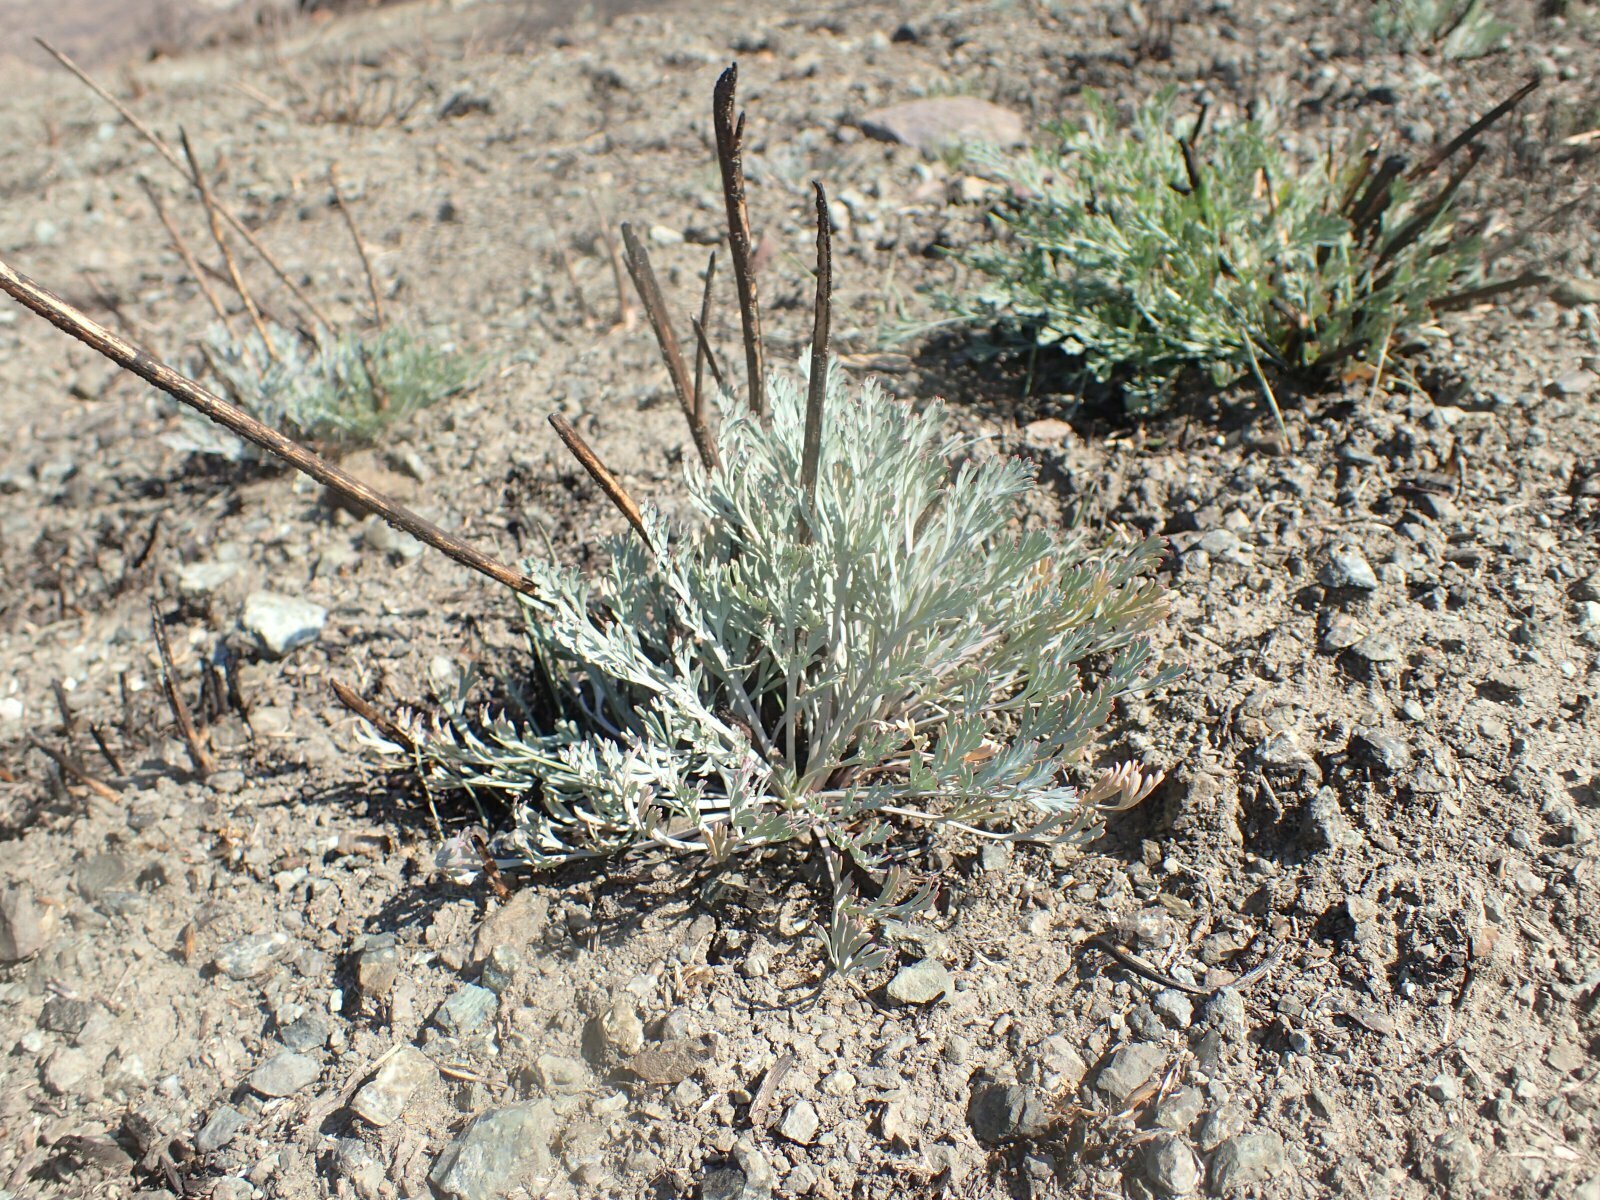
pixel 1472 132
pixel 167 153
pixel 198 755
pixel 187 255
pixel 817 391
pixel 655 308
pixel 361 247
pixel 600 474
pixel 105 749
pixel 730 158
pixel 704 344
pixel 352 700
pixel 217 235
pixel 700 346
pixel 185 390
pixel 70 767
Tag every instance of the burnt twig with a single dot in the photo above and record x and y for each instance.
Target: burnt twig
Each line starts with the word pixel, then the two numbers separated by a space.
pixel 198 754
pixel 187 255
pixel 70 767
pixel 361 247
pixel 817 392
pixel 1472 132
pixel 185 390
pixel 730 157
pixel 352 700
pixel 701 348
pixel 208 202
pixel 600 474
pixel 644 280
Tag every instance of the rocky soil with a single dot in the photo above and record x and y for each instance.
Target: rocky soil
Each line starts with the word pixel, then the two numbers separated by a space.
pixel 1348 948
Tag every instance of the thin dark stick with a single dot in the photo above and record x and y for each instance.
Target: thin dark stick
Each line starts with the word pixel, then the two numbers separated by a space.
pixel 730 157
pixel 577 291
pixel 105 750
pixel 655 308
pixel 700 341
pixel 817 392
pixel 69 723
pixel 1489 291
pixel 361 247
pixel 625 315
pixel 185 390
pixel 352 700
pixel 600 474
pixel 210 205
pixel 491 869
pixel 167 153
pixel 182 247
pixel 1471 132
pixel 704 345
pixel 198 754
pixel 69 767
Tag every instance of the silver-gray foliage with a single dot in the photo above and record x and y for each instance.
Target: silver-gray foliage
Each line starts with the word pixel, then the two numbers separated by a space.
pixel 897 653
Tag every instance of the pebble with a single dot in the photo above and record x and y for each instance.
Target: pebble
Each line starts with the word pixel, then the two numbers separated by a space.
pixel 1170 1166
pixel 304 1034
pixel 620 1029
pixel 353 1162
pixel 381 1101
pixel 493 1151
pixel 800 1123
pixel 1128 1070
pixel 377 968
pixel 998 1111
pixel 26 926
pixel 1348 570
pixel 284 1074
pixel 1180 1110
pixel 202 578
pixel 222 1127
pixel 470 1009
pixel 561 1074
pixel 383 538
pixel 920 983
pixel 64 1070
pixel 1342 632
pixel 1385 751
pixel 1244 1159
pixel 1175 1008
pixel 1453 1160
pixel 1587 588
pixel 253 955
pixel 63 1015
pixel 1376 648
pixel 500 969
pixel 938 122
pixel 282 623
pixel 1061 1066
pixel 1327 823
pixel 1444 1087
pixel 1226 1013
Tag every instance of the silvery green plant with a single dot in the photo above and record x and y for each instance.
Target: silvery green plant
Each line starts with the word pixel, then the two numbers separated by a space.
pixel 1150 256
pixel 848 670
pixel 339 394
pixel 1458 29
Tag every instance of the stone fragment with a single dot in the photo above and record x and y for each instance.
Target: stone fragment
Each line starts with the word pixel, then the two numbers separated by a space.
pixel 1179 1110
pixel 560 1074
pixel 1348 569
pixel 938 122
pixel 282 623
pixel 222 1127
pixel 284 1074
pixel 620 1030
pixel 800 1123
pixel 1385 751
pixel 1061 1067
pixel 1454 1160
pixel 353 1162
pixel 381 1101
pixel 65 1069
pixel 495 1151
pixel 1244 1159
pixel 64 1015
pixel 201 578
pixel 1128 1070
pixel 253 955
pixel 1170 1166
pixel 500 969
pixel 305 1034
pixel 26 926
pixel 671 1062
pixel 518 923
pixel 377 968
pixel 920 983
pixel 470 1009
pixel 998 1111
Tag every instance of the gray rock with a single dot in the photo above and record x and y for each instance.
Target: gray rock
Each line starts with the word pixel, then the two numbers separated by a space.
pixel 1444 1087
pixel 253 955
pixel 222 1127
pixel 938 122
pixel 100 874
pixel 1128 1070
pixel 470 1009
pixel 381 1101
pixel 559 1073
pixel 723 1181
pixel 1244 1159
pixel 202 578
pixel 1342 632
pixel 1170 1167
pixel 800 1123
pixel 1327 823
pixel 64 1070
pixel 353 1162
pixel 500 969
pixel 284 1074
pixel 1587 588
pixel 1348 569
pixel 64 1015
pixel 1376 648
pixel 1588 1191
pixel 1175 1008
pixel 1061 1068
pixel 26 926
pixel 1226 1013
pixel 282 623
pixel 495 1151
pixel 305 1034
pixel 920 983
pixel 999 1111
pixel 1385 751
pixel 619 1028
pixel 377 968
pixel 1180 1110
pixel 1453 1160
pixel 1574 384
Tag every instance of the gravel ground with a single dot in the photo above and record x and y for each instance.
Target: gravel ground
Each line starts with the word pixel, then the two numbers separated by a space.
pixel 1348 948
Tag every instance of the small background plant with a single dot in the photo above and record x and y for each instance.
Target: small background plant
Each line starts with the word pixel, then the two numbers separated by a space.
pixel 1456 31
pixel 1156 250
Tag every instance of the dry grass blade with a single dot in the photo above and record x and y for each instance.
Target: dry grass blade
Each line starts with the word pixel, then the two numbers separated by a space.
pixel 625 311
pixel 167 153
pixel 817 390
pixel 361 246
pixel 730 157
pixel 655 308
pixel 701 346
pixel 352 700
pixel 198 755
pixel 1472 132
pixel 1477 295
pixel 186 391
pixel 187 255
pixel 70 766
pixel 600 474
pixel 215 221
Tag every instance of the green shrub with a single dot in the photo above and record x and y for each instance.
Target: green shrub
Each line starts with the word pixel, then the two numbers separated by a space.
pixel 846 671
pixel 1457 30
pixel 339 395
pixel 1149 259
